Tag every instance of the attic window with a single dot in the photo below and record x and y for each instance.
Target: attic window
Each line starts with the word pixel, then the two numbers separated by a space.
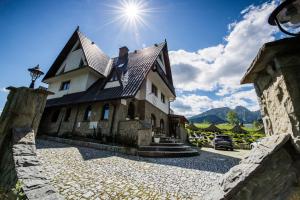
pixel 154 90
pixel 163 99
pixel 81 64
pixel 65 85
pixel 160 57
pixel 77 47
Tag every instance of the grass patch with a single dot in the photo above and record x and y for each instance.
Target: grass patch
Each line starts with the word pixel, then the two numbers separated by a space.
pixel 238 138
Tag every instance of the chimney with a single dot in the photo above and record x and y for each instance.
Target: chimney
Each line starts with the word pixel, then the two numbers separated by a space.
pixel 123 53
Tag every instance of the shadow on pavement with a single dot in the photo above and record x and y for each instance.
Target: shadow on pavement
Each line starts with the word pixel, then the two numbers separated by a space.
pixel 206 161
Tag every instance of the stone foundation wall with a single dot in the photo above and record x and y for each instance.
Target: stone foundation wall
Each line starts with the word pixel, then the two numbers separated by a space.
pixel 137 130
pixel 76 124
pixel 150 109
pixel 118 113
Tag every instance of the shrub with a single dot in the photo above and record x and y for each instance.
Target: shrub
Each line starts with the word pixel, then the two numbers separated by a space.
pixel 126 140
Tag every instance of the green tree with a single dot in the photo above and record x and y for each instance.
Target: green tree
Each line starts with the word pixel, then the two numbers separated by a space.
pixel 232 118
pixel 256 124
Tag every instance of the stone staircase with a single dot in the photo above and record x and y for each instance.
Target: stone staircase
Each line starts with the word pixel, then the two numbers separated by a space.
pixel 167 148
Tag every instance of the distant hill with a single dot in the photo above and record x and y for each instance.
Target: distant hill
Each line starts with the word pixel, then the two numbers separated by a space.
pixel 218 115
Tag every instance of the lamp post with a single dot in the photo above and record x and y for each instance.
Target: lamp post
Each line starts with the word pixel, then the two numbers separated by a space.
pixel 287 17
pixel 35 73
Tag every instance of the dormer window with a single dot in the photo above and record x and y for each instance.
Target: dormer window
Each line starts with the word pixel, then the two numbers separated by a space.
pixel 154 90
pixel 65 85
pixel 114 77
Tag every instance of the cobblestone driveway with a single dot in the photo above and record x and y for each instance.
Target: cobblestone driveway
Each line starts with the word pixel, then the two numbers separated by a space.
pixel 83 173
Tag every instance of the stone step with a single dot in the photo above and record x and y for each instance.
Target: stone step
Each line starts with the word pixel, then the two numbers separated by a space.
pixel 170 154
pixel 166 144
pixel 165 148
pixel 167 140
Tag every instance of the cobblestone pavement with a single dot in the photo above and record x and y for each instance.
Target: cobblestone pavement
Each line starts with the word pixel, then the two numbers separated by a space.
pixel 84 173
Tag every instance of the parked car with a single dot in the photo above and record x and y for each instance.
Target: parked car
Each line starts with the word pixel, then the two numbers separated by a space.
pixel 254 144
pixel 223 141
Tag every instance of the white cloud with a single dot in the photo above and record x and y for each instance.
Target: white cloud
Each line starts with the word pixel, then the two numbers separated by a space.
pixel 4 90
pixel 221 67
pixel 193 104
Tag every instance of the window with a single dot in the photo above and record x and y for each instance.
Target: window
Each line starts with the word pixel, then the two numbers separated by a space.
pixel 153 121
pixel 88 113
pixel 161 57
pixel 131 110
pixel 65 85
pixel 154 90
pixel 81 64
pixel 114 77
pixel 55 116
pixel 67 115
pixel 162 124
pixel 105 112
pixel 77 47
pixel 162 97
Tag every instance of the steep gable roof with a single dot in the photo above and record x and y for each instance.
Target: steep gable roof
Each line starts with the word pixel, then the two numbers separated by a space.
pixel 96 59
pixel 139 65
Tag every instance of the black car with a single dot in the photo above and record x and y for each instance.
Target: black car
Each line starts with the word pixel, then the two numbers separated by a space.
pixel 223 141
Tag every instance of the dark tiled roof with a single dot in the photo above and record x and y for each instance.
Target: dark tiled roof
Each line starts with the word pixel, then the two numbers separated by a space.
pixel 139 64
pixel 65 100
pixel 95 58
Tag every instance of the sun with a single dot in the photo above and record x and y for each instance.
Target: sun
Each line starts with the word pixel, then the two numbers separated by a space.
pixel 130 13
pixel 132 10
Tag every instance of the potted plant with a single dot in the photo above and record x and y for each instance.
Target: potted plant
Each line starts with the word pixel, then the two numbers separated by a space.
pixel 156 139
pixel 127 118
pixel 136 118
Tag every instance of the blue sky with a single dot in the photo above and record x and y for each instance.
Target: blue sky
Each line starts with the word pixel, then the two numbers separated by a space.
pixel 203 39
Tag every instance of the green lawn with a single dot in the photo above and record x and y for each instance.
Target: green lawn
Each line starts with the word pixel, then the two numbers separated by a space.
pixel 225 127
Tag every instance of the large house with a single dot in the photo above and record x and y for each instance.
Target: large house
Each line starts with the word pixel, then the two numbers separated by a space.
pixel 98 95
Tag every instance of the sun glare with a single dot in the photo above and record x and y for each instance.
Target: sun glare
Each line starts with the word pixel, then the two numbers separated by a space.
pixel 131 11
pixel 131 16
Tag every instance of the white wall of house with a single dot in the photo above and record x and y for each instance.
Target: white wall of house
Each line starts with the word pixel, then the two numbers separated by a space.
pixel 80 80
pixel 72 60
pixel 145 93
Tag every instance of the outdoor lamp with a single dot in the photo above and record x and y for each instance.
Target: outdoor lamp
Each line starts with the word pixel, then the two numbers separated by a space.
pixel 287 17
pixel 35 73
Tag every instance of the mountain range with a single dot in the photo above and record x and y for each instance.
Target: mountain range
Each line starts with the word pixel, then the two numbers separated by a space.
pixel 219 115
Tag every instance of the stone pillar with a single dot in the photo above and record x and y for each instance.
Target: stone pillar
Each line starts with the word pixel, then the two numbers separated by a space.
pixel 18 161
pixel 271 171
pixel 24 108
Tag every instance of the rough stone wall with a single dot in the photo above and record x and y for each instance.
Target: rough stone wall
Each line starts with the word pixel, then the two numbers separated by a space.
pixel 18 159
pixel 77 115
pixel 143 110
pixel 278 92
pixel 19 110
pixel 27 167
pixel 270 172
pixel 150 109
pixel 272 169
pixel 136 129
